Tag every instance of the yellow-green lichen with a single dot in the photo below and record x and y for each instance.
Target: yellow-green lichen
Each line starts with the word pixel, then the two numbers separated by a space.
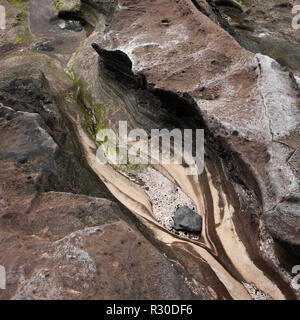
pixel 69 69
pixel 57 4
pixel 93 112
pixel 20 4
pixel 22 18
pixel 67 5
pixel 26 38
pixel 19 54
pixel 94 117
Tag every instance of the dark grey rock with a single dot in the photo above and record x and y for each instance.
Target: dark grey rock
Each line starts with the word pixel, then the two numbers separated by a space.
pixel 35 136
pixel 74 25
pixel 44 46
pixel 284 220
pixel 71 25
pixel 103 6
pixel 188 220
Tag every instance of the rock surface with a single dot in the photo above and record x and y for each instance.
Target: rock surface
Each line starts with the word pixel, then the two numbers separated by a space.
pixel 269 24
pixel 67 5
pixel 186 219
pixel 248 101
pixel 67 246
pixel 76 247
pixel 159 64
pixel 57 243
pixel 284 220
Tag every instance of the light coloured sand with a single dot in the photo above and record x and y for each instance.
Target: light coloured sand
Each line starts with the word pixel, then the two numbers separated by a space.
pixel 165 197
pixel 135 198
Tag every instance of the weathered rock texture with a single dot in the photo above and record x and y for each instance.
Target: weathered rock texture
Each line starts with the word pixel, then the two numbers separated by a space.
pixel 68 246
pixel 269 24
pixel 249 101
pixel 157 64
pixel 283 221
pixel 61 236
pixel 67 5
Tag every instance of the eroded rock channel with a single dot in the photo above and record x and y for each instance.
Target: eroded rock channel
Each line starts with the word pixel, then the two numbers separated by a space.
pixel 69 222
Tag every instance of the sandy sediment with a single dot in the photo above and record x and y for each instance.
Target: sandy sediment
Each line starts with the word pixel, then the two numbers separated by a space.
pixel 137 200
pixel 165 197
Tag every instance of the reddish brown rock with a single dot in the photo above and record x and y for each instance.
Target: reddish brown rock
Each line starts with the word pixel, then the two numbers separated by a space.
pixel 57 245
pixel 158 58
pixel 76 247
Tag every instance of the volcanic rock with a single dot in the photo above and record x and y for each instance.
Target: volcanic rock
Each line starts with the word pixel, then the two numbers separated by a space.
pixel 284 220
pixel 57 245
pixel 61 235
pixel 162 64
pixel 68 5
pixel 251 95
pixel 186 219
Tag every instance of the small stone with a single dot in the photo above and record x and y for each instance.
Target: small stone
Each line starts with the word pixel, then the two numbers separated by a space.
pixel 186 219
pixel 165 22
